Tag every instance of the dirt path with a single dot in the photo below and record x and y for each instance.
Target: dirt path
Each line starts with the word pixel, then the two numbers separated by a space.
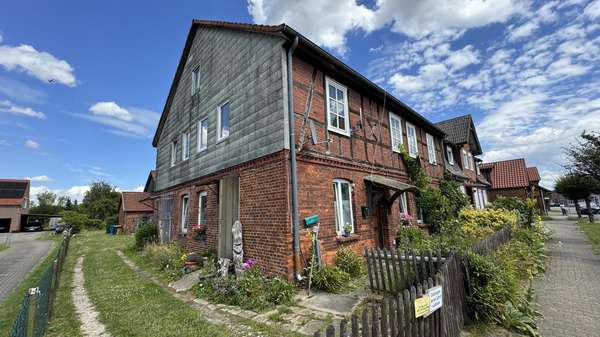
pixel 90 325
pixel 568 292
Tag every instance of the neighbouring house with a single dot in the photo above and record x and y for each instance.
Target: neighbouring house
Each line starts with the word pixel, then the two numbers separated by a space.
pixel 134 208
pixel 150 182
pixel 512 178
pixel 14 204
pixel 461 148
pixel 229 147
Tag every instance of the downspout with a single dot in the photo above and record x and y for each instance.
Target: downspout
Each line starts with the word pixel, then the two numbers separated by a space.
pixel 293 166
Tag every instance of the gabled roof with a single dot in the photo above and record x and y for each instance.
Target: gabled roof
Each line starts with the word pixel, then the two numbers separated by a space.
pixel 131 202
pixel 508 173
pixel 150 182
pixel 533 174
pixel 13 191
pixel 459 130
pixel 307 49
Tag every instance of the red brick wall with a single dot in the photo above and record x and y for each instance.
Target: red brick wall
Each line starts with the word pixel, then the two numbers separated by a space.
pixel 521 192
pixel 127 219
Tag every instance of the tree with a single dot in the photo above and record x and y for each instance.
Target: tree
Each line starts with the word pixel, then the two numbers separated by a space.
pixel 101 201
pixel 577 187
pixel 585 155
pixel 46 204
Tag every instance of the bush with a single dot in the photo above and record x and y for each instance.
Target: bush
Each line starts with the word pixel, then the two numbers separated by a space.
pixel 479 223
pixel 330 279
pixel 413 237
pixel 146 232
pixel 75 219
pixel 164 257
pixel 526 209
pixel 252 290
pixel 350 262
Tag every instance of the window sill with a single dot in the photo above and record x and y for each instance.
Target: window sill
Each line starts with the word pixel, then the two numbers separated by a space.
pixel 220 140
pixel 339 131
pixel 344 239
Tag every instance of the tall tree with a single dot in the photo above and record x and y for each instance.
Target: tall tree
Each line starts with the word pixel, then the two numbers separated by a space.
pixel 101 201
pixel 46 204
pixel 577 187
pixel 585 155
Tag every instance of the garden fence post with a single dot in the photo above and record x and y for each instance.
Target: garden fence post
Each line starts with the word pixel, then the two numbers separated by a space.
pixel 32 316
pixel 53 287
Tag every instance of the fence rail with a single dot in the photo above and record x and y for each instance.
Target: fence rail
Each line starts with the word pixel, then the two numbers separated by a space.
pixel 36 308
pixel 492 242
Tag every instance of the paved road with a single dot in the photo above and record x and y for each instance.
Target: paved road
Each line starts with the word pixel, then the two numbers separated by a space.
pixel 15 262
pixel 569 292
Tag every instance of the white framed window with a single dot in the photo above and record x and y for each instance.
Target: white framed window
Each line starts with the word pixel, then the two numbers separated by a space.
pixel 477 168
pixel 202 208
pixel 462 189
pixel 223 121
pixel 450 155
pixel 404 203
pixel 195 80
pixel 185 146
pixel 337 107
pixel 342 198
pixel 202 134
pixel 395 132
pixel 185 203
pixel 465 158
pixel 173 152
pixel 471 161
pixel 431 149
pixel 411 134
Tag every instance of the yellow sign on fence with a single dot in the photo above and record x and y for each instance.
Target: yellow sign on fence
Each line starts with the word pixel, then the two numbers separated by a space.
pixel 422 306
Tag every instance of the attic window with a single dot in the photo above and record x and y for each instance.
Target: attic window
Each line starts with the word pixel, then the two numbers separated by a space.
pixel 449 155
pixel 195 80
pixel 173 152
pixel 223 122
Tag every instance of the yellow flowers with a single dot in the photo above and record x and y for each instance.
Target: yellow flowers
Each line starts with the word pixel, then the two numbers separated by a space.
pixel 479 223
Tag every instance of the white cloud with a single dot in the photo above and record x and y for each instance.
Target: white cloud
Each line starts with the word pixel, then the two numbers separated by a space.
pixel 129 122
pixel 10 107
pixel 4 142
pixel 41 65
pixel 138 189
pixel 463 58
pixel 111 109
pixel 406 83
pixel 565 68
pixel 73 192
pixel 32 144
pixel 20 91
pixel 523 31
pixel 328 22
pixel 42 178
pixel 592 10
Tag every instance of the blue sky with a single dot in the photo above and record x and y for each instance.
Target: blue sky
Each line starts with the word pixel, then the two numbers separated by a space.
pixel 82 83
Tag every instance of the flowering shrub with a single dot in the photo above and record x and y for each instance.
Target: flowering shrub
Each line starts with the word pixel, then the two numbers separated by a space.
pixel 405 219
pixel 479 223
pixel 248 264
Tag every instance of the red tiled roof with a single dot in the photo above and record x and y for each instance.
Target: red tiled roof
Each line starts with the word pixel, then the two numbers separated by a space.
pixel 13 191
pixel 11 202
pixel 131 202
pixel 533 174
pixel 508 173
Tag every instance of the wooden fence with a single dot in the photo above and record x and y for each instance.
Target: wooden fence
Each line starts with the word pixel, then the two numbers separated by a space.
pixel 403 276
pixel 390 272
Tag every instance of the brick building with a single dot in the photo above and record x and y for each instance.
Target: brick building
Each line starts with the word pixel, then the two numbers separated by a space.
pixel 512 178
pixel 461 148
pixel 230 148
pixel 133 208
pixel 14 203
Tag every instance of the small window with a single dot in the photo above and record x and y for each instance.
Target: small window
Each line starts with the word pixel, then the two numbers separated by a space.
pixel 203 134
pixel 185 201
pixel 185 146
pixel 173 153
pixel 465 159
pixel 342 198
pixel 195 80
pixel 404 203
pixel 337 107
pixel 431 149
pixel 477 169
pixel 202 208
pixel 471 162
pixel 395 132
pixel 223 122
pixel 411 134
pixel 450 155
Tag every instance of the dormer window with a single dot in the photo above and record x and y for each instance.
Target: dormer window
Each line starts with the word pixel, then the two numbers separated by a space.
pixel 449 155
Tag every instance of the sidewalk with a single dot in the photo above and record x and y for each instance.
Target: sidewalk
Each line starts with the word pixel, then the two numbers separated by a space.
pixel 568 293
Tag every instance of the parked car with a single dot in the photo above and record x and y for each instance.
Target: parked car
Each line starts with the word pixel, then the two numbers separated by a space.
pixel 58 228
pixel 584 211
pixel 33 226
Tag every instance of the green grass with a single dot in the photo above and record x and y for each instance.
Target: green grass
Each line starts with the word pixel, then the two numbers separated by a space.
pixel 10 307
pixel 3 246
pixel 592 230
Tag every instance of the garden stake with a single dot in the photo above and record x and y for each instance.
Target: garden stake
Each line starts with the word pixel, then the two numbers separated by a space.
pixel 314 234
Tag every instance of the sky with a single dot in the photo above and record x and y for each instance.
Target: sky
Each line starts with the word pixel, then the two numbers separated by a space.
pixel 83 83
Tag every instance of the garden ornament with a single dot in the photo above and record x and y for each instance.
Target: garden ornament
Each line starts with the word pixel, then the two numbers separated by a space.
pixel 223 267
pixel 238 247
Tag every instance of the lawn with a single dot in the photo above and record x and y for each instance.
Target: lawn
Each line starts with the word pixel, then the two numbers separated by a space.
pixel 3 246
pixel 592 230
pixel 129 304
pixel 9 308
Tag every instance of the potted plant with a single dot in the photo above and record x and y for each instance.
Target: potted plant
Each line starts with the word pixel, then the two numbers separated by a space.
pixel 198 232
pixel 347 231
pixel 405 219
pixel 191 261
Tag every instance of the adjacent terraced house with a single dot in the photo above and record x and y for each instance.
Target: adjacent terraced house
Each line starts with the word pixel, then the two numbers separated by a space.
pixel 263 126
